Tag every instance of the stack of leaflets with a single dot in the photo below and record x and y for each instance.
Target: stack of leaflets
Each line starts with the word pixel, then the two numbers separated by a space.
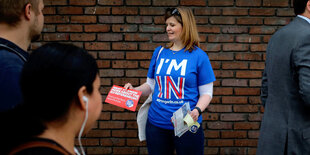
pixel 180 127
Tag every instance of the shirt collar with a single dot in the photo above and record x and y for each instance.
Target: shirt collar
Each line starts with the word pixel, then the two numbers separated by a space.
pixel 305 18
pixel 14 46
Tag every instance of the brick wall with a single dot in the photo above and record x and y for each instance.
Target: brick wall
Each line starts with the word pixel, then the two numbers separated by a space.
pixel 122 34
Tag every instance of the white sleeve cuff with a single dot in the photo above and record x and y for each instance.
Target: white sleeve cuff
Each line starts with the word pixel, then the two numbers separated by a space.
pixel 206 89
pixel 151 83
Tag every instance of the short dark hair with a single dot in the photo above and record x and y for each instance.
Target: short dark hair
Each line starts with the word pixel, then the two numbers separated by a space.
pixel 11 10
pixel 52 77
pixel 299 6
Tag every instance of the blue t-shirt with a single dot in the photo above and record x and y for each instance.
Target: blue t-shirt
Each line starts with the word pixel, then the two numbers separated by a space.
pixel 177 74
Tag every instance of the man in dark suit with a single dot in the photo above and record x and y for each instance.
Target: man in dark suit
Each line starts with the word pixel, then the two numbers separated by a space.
pixel 21 21
pixel 285 91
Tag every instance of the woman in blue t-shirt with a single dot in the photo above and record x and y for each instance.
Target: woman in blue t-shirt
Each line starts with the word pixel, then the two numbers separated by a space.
pixel 179 73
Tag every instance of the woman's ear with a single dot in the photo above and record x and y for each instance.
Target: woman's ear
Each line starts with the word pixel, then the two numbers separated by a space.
pixel 27 11
pixel 82 98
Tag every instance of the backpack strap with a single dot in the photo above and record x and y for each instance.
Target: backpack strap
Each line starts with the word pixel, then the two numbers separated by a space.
pixel 13 51
pixel 34 144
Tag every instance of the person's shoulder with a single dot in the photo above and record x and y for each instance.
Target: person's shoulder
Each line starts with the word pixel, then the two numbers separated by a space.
pixel 199 52
pixel 39 151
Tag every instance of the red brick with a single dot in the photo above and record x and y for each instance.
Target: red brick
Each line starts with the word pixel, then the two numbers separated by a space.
pixel 262 30
pixel 139 55
pixel 110 2
pixel 159 20
pixel 82 2
pixel 152 28
pixel 111 55
pixel 160 37
pixel 152 11
pixel 207 11
pixel 255 117
pixel 222 91
pixel 105 116
pixel 123 81
pixel 111 124
pixel 248 74
pixel 215 64
pixel 135 142
pixel 233 134
pixel 252 151
pixel 211 150
pixel 144 64
pixel 124 64
pixel 246 142
pixel 245 108
pixel 69 10
pixel 105 81
pixel 233 117
pixel 233 150
pixel 56 19
pixel 221 56
pixel 49 28
pixel 235 29
pixel 99 133
pixel 247 91
pixel 208 29
pixel 276 3
pixel 235 65
pixel 258 47
pixel 220 3
pixel 248 3
pixel 110 37
pixel 82 37
pixel 136 73
pixel 219 125
pixel 262 12
pixel 49 10
pixel 222 20
pixel 285 12
pixel 96 28
pixel 248 56
pixel 219 108
pixel 234 100
pixel 125 150
pixel 202 20
pixel 249 21
pixel 69 28
pixel 99 150
pixel 254 100
pixel 220 142
pixel 277 21
pixel 225 73
pixel 97 46
pixel 212 134
pixel 213 48
pixel 97 10
pixel 255 82
pixel 53 2
pixel 111 73
pixel 111 19
pixel 139 19
pixel 234 82
pixel 257 65
pixel 83 19
pixel 266 38
pixel 124 11
pixel 124 46
pixel 248 39
pixel 56 37
pixel 193 3
pixel 124 28
pixel 103 63
pixel 90 142
pixel 112 142
pixel 235 11
pixel 138 2
pixel 149 46
pixel 110 107
pixel 137 37
pixel 124 133
pixel 165 3
pixel 246 125
pixel 235 47
pixel 253 134
pixel 131 125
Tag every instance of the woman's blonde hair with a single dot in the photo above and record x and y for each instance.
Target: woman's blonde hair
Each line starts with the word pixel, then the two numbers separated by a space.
pixel 189 35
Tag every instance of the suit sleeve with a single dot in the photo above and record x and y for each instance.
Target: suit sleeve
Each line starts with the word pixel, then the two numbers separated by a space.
pixel 301 60
pixel 264 88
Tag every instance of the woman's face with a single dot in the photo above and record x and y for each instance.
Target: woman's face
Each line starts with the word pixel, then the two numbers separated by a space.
pixel 94 105
pixel 173 29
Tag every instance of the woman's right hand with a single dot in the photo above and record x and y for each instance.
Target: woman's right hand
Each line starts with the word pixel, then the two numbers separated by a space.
pixel 128 86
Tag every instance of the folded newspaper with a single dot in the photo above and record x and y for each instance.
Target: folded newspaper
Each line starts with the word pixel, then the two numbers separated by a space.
pixel 180 126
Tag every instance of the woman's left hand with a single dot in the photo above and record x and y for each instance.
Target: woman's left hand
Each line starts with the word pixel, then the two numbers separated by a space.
pixel 194 114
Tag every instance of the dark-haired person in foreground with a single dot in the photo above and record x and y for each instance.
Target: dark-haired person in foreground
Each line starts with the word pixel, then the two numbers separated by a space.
pixel 61 101
pixel 21 21
pixel 285 94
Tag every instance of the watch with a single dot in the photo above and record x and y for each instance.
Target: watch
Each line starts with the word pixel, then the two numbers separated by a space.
pixel 199 110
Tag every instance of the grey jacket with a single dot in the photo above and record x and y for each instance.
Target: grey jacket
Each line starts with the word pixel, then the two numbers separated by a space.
pixel 285 92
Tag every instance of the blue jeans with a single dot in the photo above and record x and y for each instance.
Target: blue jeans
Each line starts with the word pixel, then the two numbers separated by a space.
pixel 163 142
